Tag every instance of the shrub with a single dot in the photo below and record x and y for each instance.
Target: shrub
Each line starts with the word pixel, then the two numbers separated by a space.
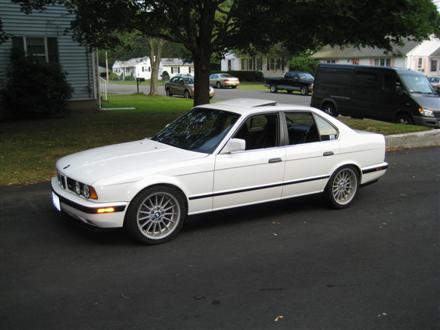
pixel 34 89
pixel 113 76
pixel 129 78
pixel 303 63
pixel 245 75
pixel 165 75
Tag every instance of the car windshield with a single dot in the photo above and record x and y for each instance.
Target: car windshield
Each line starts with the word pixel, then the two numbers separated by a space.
pixel 416 83
pixel 306 76
pixel 199 130
pixel 226 75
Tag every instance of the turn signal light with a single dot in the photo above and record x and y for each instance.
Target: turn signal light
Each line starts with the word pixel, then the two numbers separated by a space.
pixel 92 193
pixel 106 210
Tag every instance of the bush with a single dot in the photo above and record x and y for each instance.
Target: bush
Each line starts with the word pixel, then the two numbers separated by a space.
pixel 129 78
pixel 245 75
pixel 113 76
pixel 303 63
pixel 165 76
pixel 34 89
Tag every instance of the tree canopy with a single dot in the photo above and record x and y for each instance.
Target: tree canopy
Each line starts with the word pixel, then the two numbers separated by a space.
pixel 206 27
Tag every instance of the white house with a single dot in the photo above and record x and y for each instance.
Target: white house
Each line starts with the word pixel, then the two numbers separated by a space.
pixel 141 67
pixel 420 56
pixel 269 66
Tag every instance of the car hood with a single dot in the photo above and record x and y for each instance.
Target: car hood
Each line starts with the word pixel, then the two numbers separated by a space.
pixel 125 162
pixel 427 101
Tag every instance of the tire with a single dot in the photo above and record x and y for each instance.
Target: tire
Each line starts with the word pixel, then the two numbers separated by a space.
pixel 304 90
pixel 289 91
pixel 342 187
pixel 273 88
pixel 329 109
pixel 218 85
pixel 234 87
pixel 187 94
pixel 168 92
pixel 404 118
pixel 156 215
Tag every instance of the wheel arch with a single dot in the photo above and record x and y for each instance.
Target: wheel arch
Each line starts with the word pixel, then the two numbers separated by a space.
pixel 352 163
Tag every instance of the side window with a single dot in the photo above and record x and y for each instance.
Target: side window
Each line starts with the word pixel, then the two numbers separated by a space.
pixel 173 80
pixel 260 131
pixel 389 83
pixel 301 128
pixel 326 130
pixel 366 79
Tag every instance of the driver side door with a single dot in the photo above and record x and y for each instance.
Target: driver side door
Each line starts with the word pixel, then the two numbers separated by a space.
pixel 255 174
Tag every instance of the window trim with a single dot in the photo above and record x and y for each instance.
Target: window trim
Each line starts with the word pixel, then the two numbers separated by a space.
pixel 46 48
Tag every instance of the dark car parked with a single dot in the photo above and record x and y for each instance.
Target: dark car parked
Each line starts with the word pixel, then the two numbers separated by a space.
pixel 383 93
pixel 292 81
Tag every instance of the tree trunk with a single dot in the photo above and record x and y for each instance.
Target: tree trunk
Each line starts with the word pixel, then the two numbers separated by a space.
pixel 201 78
pixel 155 57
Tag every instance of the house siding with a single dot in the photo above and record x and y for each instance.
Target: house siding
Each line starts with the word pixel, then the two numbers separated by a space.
pixel 76 60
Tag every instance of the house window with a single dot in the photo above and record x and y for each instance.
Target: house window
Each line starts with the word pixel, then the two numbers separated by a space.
pixel 41 48
pixel 355 61
pixel 149 69
pixel 330 61
pixel 433 65
pixel 189 69
pixel 172 69
pixel 259 64
pixel 178 69
pixel 143 69
pixel 420 63
pixel 382 61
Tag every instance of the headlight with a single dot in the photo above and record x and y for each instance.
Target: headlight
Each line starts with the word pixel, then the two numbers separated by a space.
pixel 86 191
pixel 78 188
pixel 426 112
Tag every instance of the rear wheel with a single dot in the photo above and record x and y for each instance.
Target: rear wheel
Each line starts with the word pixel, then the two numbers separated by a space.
pixel 187 94
pixel 342 187
pixel 218 85
pixel 273 88
pixel 404 118
pixel 156 215
pixel 168 92
pixel 330 109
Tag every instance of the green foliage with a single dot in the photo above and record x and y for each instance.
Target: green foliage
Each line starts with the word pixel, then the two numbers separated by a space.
pixel 245 75
pixel 129 78
pixel 303 63
pixel 113 76
pixel 34 89
pixel 165 75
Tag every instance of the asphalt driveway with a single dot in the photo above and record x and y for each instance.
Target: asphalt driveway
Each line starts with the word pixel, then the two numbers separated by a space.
pixel 286 265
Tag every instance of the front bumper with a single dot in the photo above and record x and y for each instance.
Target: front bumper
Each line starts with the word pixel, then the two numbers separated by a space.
pixel 427 121
pixel 87 211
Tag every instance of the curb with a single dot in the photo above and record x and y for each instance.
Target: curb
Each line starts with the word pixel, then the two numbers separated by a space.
pixel 413 140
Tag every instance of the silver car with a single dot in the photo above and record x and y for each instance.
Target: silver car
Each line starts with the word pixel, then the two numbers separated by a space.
pixel 183 85
pixel 221 80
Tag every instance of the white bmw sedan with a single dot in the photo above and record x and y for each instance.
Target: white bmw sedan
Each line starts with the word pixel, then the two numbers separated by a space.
pixel 217 156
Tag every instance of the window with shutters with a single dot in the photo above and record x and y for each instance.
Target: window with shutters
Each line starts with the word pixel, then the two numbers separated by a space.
pixel 40 48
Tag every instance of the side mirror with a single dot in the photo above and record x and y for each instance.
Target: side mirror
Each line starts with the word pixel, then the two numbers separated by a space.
pixel 234 145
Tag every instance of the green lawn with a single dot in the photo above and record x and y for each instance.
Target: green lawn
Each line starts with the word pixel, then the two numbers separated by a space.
pixel 29 149
pixel 252 86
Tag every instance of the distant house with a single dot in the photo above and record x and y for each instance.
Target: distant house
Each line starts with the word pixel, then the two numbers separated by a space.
pixel 420 56
pixel 141 67
pixel 269 66
pixel 42 34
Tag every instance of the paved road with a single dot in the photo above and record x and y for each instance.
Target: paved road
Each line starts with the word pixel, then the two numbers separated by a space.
pixel 375 265
pixel 224 94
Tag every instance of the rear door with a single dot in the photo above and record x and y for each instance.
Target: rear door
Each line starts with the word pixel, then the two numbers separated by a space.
pixel 311 155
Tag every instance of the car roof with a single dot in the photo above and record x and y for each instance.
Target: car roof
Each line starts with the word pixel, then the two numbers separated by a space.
pixel 367 67
pixel 244 106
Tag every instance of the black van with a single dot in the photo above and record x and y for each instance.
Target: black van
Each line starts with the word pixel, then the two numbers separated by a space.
pixel 383 93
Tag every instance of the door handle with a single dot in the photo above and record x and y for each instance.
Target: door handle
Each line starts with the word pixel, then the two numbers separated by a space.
pixel 274 160
pixel 328 153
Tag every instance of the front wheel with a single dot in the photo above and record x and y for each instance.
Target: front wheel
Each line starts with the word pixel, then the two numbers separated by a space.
pixel 218 85
pixel 273 88
pixel 304 90
pixel 168 92
pixel 187 94
pixel 342 187
pixel 404 118
pixel 156 215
